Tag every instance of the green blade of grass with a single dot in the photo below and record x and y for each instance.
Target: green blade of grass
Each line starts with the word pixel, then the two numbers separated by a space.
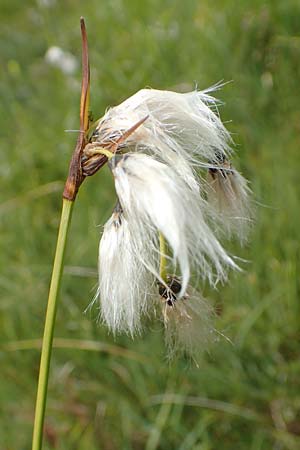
pixel 49 325
pixel 75 344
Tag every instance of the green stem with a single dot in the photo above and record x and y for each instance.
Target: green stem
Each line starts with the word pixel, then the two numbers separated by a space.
pixel 49 324
pixel 163 259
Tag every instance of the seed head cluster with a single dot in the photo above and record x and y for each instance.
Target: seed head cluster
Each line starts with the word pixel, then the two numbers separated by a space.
pixel 178 194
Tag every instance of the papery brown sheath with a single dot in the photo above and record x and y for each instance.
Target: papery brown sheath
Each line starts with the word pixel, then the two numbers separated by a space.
pixel 75 177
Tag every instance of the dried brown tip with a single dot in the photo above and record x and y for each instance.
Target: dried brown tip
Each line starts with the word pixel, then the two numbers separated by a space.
pixel 75 177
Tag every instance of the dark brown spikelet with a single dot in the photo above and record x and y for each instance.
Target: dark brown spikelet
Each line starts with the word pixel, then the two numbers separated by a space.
pixel 170 292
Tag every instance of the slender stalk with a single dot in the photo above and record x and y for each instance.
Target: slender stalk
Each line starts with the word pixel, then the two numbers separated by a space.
pixel 49 324
pixel 74 180
pixel 163 259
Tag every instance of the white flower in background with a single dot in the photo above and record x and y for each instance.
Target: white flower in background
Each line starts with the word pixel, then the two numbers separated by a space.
pixel 46 3
pixel 63 60
pixel 176 186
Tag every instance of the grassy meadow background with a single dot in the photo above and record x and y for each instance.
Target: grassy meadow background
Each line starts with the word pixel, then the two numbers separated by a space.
pixel 122 394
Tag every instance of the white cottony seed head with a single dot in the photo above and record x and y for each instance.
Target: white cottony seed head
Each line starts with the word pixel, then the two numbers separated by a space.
pixel 188 325
pixel 179 127
pixel 124 283
pixel 228 195
pixel 173 178
pixel 185 132
pixel 154 198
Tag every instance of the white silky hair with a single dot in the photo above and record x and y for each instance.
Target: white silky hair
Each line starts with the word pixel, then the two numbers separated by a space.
pixel 185 132
pixel 124 283
pixel 228 194
pixel 188 325
pixel 155 199
pixel 179 127
pixel 162 189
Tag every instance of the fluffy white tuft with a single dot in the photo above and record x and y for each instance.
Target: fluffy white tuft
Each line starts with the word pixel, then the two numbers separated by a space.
pixel 188 325
pixel 124 283
pixel 181 129
pixel 185 132
pixel 154 198
pixel 228 195
pixel 161 190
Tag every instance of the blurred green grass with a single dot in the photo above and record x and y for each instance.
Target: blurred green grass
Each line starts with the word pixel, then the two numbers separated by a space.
pixel 245 395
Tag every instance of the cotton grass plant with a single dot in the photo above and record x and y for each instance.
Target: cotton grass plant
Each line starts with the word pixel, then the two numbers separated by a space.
pixel 177 194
